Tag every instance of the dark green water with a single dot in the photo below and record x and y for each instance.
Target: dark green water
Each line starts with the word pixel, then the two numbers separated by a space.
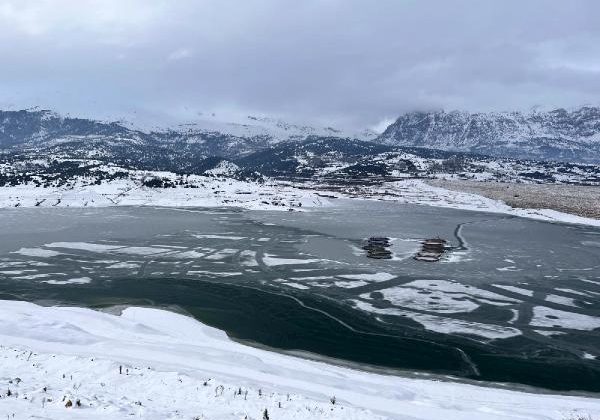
pixel 255 304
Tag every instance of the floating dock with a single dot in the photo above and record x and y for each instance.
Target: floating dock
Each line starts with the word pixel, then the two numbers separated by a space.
pixel 432 250
pixel 376 248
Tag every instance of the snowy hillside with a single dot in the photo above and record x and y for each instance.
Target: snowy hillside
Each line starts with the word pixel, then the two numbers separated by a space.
pixel 275 130
pixel 358 161
pixel 42 130
pixel 108 185
pixel 76 363
pixel 92 184
pixel 554 135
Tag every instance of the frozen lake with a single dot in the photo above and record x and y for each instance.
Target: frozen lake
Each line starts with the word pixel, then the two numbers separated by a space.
pixel 514 300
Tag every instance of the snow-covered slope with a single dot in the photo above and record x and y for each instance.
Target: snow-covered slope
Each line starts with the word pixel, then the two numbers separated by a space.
pixel 145 188
pixel 173 367
pixel 554 135
pixel 360 161
pixel 274 130
pixel 78 137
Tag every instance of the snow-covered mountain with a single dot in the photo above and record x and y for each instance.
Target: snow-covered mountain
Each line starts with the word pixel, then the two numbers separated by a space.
pixel 354 161
pixel 555 135
pixel 272 129
pixel 45 130
pixel 416 144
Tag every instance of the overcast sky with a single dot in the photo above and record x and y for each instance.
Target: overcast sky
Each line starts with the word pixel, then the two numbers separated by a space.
pixel 340 62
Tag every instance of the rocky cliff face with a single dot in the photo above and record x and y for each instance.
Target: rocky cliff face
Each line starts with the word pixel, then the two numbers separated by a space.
pixel 555 135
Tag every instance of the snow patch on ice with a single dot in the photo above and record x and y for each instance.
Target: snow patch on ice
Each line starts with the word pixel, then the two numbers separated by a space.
pixel 350 284
pixel 446 325
pixel 248 258
pixel 84 246
pixel 79 280
pixel 515 289
pixel 272 260
pixel 296 285
pixel 124 264
pixel 37 252
pixel 561 300
pixel 548 317
pixel 376 277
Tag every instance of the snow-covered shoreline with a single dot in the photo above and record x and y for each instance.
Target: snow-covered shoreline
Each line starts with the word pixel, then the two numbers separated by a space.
pixel 273 195
pixel 166 359
pixel 207 192
pixel 420 192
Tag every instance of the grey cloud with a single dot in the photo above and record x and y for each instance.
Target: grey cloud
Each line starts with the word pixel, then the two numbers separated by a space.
pixel 344 62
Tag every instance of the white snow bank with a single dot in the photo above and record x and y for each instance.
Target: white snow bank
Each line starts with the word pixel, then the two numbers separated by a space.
pixel 76 353
pixel 206 192
pixel 272 195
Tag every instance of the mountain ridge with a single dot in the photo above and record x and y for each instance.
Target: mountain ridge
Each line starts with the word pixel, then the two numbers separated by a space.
pixel 558 135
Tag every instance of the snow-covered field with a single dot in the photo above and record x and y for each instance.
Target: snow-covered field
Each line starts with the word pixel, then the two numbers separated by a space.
pixel 207 192
pixel 173 367
pixel 272 195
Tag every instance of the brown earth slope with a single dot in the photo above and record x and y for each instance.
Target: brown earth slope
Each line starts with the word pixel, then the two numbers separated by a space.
pixel 574 199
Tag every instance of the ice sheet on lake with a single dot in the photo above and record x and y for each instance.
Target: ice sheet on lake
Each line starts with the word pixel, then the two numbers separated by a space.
pixel 575 292
pixel 99 248
pixel 142 250
pixel 79 280
pixel 222 254
pixel 441 296
pixel 232 238
pixel 509 268
pixel 214 273
pixel 548 317
pixel 449 286
pixel 37 252
pixel 350 284
pixel 547 333
pixel 124 264
pixel 561 300
pixel 514 289
pixel 369 276
pixel 84 246
pixel 248 258
pixel 272 260
pixel 16 272
pixel 188 255
pixel 435 301
pixel 296 285
pixel 9 264
pixel 34 276
pixel 445 325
